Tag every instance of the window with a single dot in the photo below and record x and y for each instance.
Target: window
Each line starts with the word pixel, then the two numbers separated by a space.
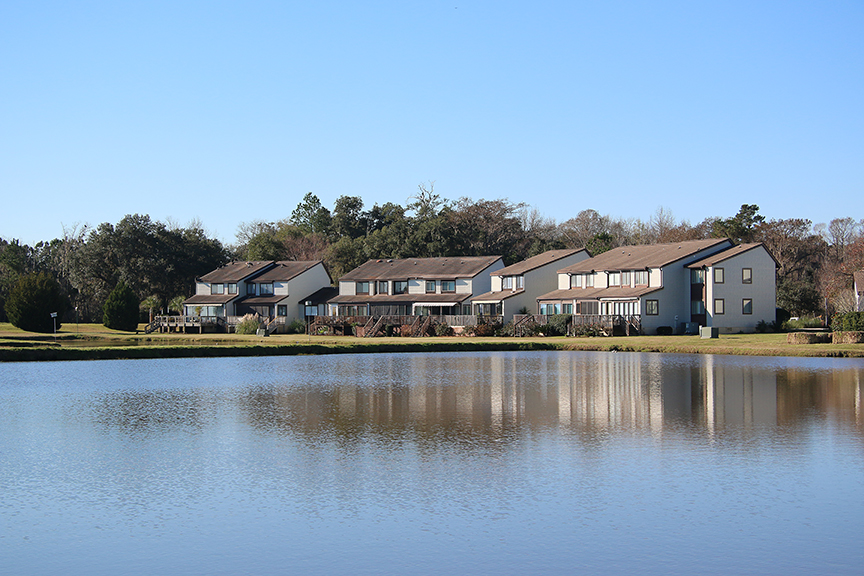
pixel 719 306
pixel 381 287
pixel 430 286
pixel 232 288
pixel 362 288
pixel 697 307
pixel 265 288
pixel 588 282
pixel 746 275
pixel 567 308
pixel 448 286
pixel 625 278
pixel 640 277
pixel 747 306
pixel 588 307
pixel 217 289
pixel 614 279
pixel 520 282
pixel 575 281
pixel 400 287
pixel 719 275
pixel 697 276
pixel 507 283
pixel 548 309
pixel 652 307
pixel 282 310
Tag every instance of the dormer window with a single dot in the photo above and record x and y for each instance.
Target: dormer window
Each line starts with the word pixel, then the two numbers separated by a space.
pixel 614 278
pixel 507 283
pixel 430 286
pixel 400 287
pixel 448 286
pixel 382 287
pixel 640 277
pixel 362 288
pixel 520 282
pixel 265 288
pixel 217 289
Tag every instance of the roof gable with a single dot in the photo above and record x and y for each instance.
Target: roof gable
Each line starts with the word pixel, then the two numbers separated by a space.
pixel 729 253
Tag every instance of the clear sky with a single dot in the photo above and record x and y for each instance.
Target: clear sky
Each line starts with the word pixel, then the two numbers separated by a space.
pixel 230 111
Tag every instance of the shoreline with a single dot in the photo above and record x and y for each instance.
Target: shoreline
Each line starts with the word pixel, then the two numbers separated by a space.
pixel 102 345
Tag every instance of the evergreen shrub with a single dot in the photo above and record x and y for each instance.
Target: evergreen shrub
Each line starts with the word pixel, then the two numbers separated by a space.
pixel 32 301
pixel 121 309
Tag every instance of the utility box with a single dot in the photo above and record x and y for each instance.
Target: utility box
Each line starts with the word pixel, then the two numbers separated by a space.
pixel 709 332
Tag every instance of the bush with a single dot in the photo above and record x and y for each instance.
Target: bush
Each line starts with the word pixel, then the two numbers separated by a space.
pixel 803 323
pixel 32 301
pixel 557 325
pixel 296 327
pixel 121 309
pixel 664 330
pixel 491 329
pixel 443 330
pixel 588 330
pixel 249 324
pixel 849 322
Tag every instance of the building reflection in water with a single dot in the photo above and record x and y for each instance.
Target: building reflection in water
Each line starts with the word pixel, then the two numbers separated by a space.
pixel 498 395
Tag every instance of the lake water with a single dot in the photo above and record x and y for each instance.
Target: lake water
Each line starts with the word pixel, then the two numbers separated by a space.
pixel 475 463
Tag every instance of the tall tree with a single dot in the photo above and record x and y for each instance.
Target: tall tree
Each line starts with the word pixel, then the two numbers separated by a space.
pixel 33 300
pixel 310 216
pixel 121 309
pixel 741 227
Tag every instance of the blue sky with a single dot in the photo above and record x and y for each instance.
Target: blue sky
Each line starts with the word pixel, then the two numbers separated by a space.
pixel 229 112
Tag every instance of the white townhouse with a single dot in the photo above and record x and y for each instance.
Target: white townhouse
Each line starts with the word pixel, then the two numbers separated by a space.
pixel 670 285
pixel 217 292
pixel 414 286
pixel 738 288
pixel 518 286
pixel 281 291
pixel 270 289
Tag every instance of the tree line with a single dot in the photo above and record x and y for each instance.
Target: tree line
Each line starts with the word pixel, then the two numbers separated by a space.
pixel 159 261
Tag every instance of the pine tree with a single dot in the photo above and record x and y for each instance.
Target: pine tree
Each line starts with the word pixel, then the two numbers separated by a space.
pixel 32 301
pixel 121 309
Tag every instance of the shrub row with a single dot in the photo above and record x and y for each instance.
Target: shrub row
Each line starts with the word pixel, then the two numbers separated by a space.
pixel 849 322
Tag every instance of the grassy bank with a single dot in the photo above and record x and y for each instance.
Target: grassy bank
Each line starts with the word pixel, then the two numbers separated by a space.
pixel 93 341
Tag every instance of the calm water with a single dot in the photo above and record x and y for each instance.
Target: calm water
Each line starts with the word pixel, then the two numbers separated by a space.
pixel 499 463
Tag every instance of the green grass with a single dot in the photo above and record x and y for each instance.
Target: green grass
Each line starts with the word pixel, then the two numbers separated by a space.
pixel 94 341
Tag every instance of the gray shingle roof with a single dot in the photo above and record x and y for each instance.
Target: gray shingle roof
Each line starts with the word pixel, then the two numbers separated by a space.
pixel 726 254
pixel 286 270
pixel 537 261
pixel 431 268
pixel 236 271
pixel 598 293
pixel 644 256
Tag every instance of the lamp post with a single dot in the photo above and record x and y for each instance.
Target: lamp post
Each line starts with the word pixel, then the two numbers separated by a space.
pixel 54 318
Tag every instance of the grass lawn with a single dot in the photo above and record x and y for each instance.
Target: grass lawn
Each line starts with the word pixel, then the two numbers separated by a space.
pixel 16 344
